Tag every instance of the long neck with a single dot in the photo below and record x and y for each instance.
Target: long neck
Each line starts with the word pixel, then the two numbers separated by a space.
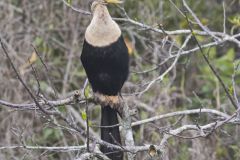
pixel 103 30
pixel 101 15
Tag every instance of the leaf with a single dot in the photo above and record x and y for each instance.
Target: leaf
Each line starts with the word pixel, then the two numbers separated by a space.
pixel 69 2
pixel 33 58
pixel 38 41
pixel 30 61
pixel 47 133
pixel 87 92
pixel 230 90
pixel 51 134
pixel 84 115
pixel 235 20
pixel 229 56
pixel 90 123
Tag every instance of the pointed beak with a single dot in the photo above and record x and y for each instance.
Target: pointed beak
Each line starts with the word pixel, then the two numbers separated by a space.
pixel 113 1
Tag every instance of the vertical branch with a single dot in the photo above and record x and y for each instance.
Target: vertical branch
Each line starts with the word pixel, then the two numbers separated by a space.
pixel 36 77
pixel 87 122
pixel 236 66
pixel 85 92
pixel 224 17
pixel 127 129
pixel 234 90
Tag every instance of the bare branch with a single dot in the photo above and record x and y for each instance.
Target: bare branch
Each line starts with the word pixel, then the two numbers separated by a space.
pixel 179 113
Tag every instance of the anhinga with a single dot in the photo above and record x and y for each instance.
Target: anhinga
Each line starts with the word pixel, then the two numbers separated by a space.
pixel 106 62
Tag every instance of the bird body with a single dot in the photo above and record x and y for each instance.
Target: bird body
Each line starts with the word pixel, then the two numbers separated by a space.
pixel 106 67
pixel 106 62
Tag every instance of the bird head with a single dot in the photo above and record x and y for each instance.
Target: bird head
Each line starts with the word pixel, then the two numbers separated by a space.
pixel 94 3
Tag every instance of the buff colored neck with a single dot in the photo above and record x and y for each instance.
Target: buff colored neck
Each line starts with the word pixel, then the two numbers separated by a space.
pixel 103 30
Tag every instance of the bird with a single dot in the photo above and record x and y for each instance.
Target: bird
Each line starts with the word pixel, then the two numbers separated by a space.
pixel 105 59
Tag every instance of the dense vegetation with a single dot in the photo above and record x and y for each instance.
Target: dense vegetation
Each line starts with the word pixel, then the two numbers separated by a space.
pixel 57 31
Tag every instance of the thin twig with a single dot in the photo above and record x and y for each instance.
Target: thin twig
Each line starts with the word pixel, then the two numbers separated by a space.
pixel 23 83
pixel 76 9
pixel 198 21
pixel 211 66
pixel 37 79
pixel 47 72
pixel 224 17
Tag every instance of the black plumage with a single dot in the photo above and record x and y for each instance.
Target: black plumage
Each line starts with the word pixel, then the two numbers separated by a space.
pixel 106 67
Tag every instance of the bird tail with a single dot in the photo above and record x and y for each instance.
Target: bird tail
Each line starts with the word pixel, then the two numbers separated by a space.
pixel 110 134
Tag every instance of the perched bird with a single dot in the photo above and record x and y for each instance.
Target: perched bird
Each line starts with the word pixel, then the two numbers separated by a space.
pixel 106 62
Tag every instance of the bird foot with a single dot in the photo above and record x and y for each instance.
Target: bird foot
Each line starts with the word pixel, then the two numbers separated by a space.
pixel 105 100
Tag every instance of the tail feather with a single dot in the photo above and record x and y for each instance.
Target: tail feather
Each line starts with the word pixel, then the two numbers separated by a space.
pixel 110 135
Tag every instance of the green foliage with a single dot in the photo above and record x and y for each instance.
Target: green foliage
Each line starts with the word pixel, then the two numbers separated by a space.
pixel 87 91
pixel 223 65
pixel 235 20
pixel 155 136
pixel 62 108
pixel 49 135
pixel 69 2
pixel 38 41
pixel 84 115
pixel 221 152
pixel 236 150
pixel 183 152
